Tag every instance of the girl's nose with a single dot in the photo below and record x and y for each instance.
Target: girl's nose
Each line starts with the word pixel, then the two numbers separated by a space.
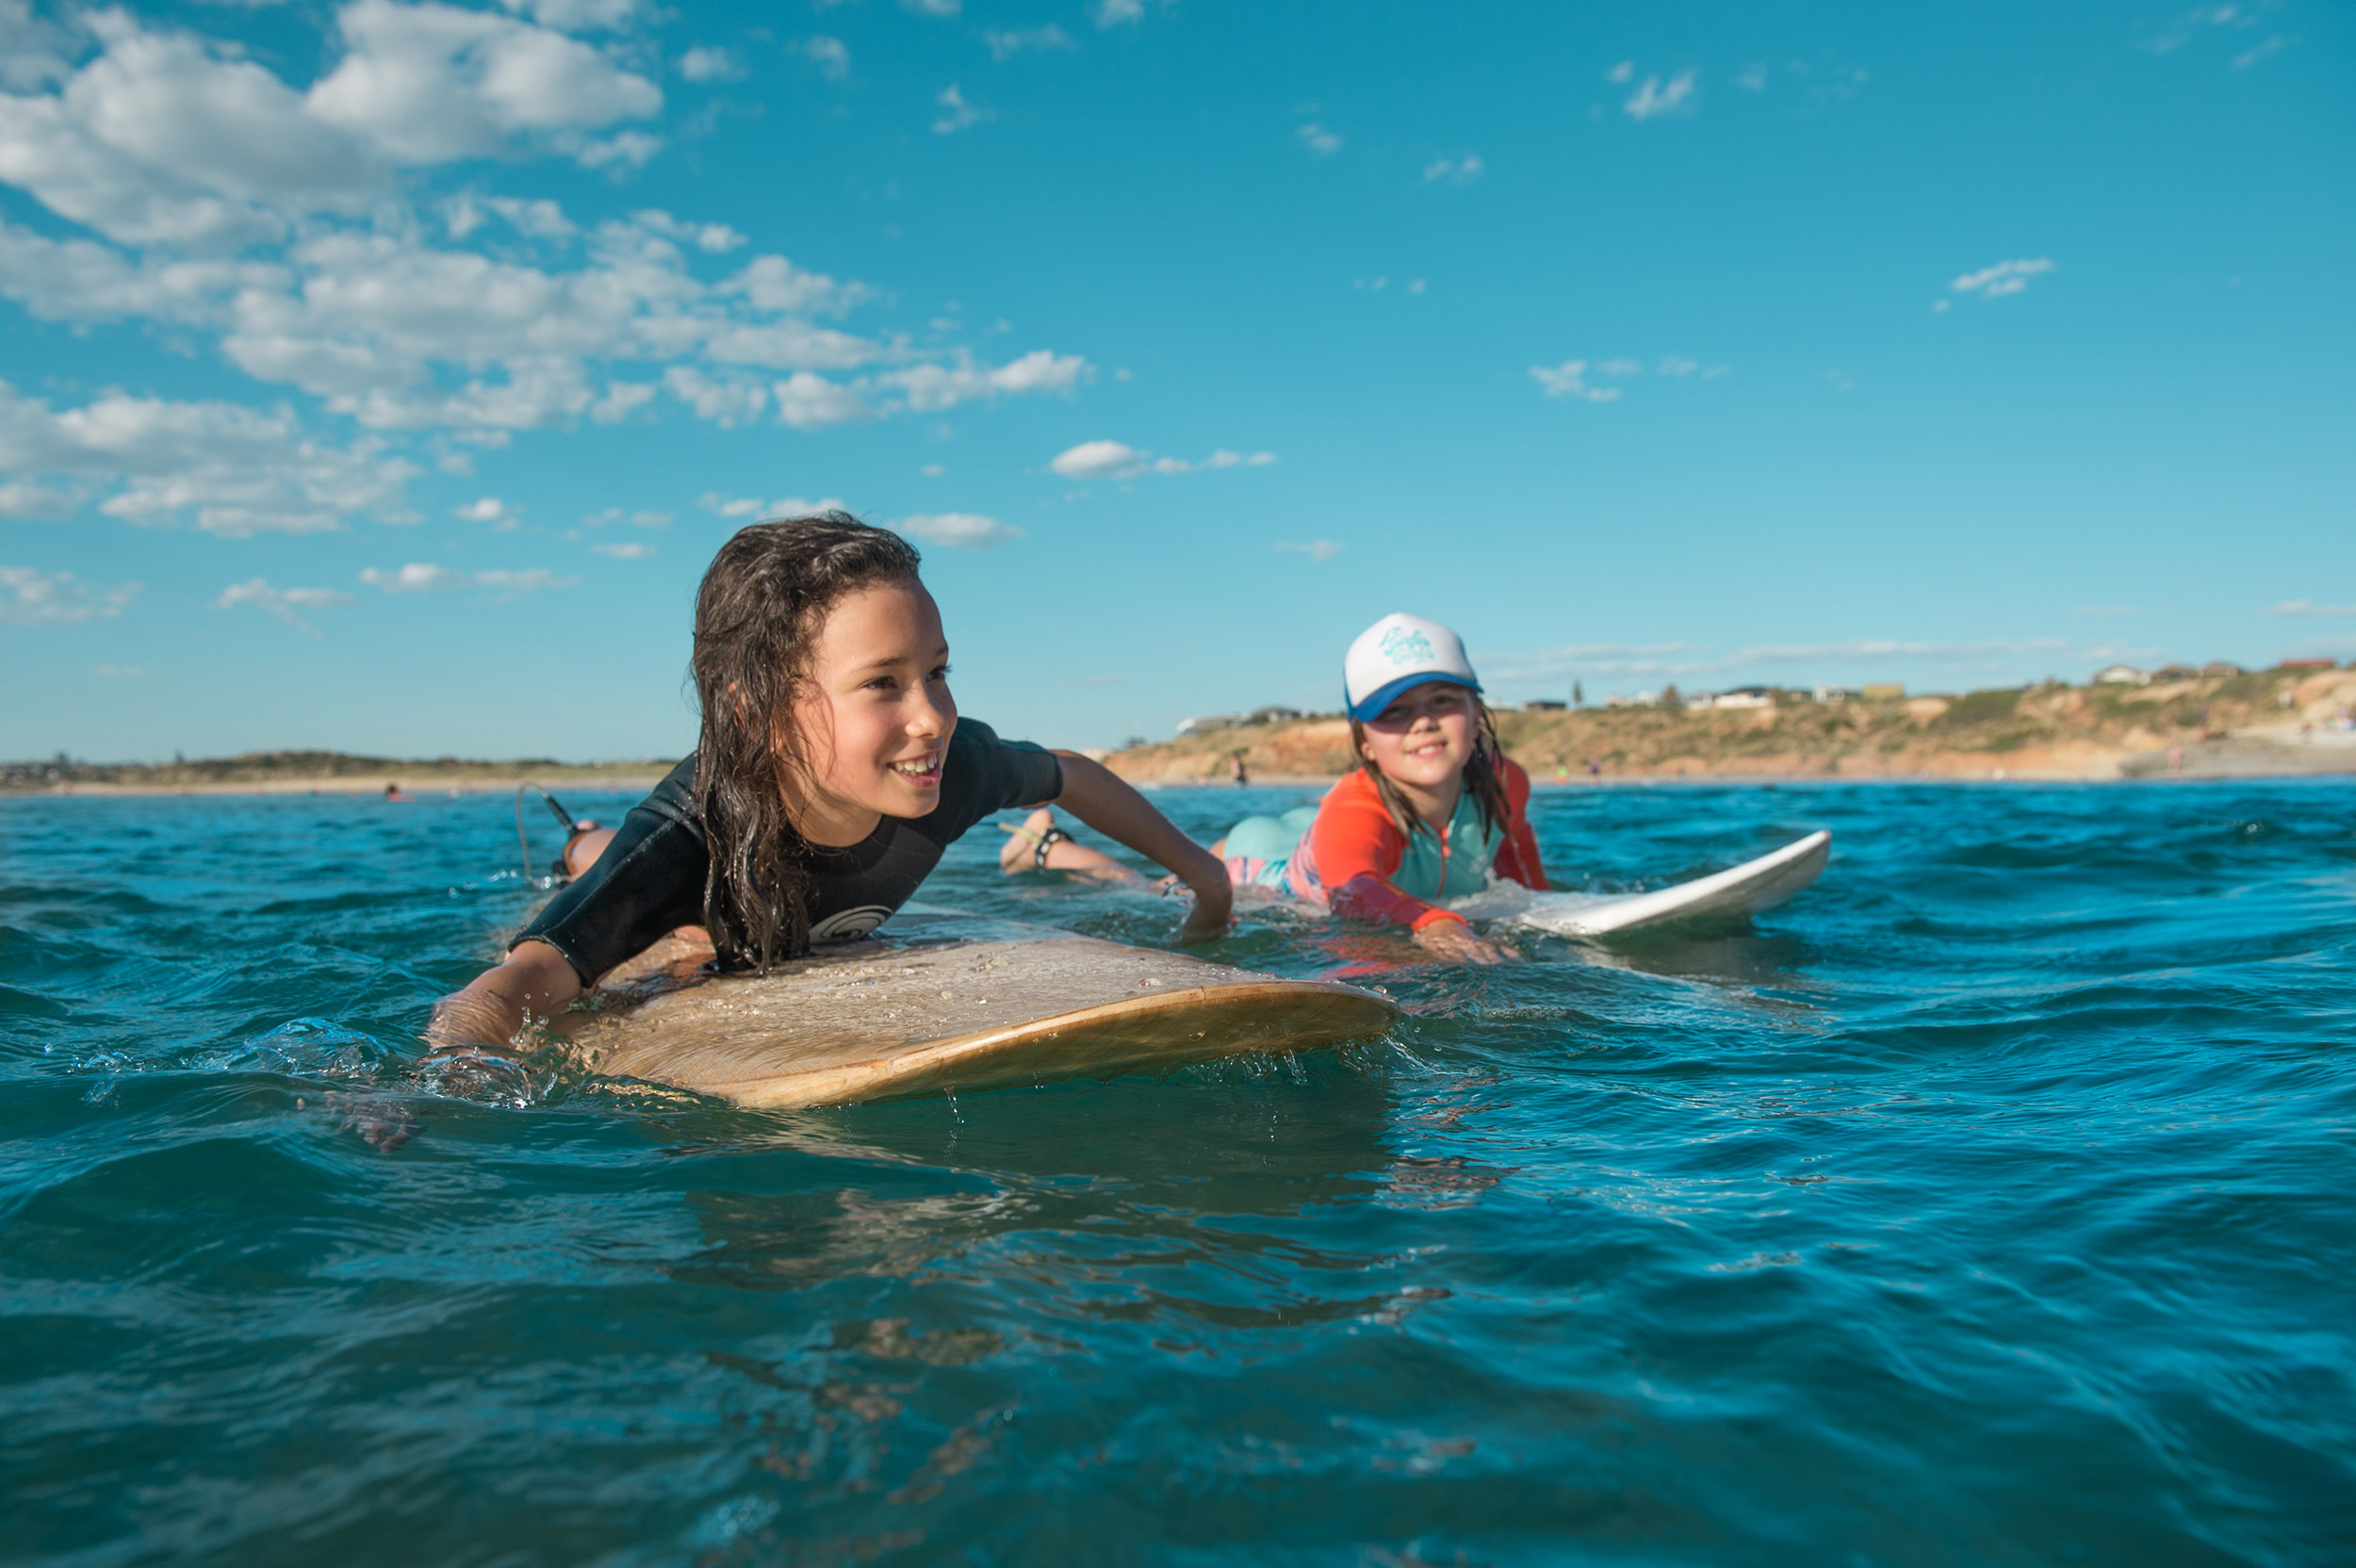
pixel 926 719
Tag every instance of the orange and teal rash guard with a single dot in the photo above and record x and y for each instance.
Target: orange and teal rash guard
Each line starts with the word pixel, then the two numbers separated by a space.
pixel 1355 859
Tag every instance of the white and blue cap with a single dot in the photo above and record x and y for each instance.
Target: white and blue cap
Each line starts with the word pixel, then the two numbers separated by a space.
pixel 1397 652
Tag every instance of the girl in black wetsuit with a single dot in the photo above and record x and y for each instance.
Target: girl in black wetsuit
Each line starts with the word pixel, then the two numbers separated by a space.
pixel 831 774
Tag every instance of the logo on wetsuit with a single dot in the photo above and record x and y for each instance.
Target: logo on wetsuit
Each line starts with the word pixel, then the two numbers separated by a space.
pixel 846 925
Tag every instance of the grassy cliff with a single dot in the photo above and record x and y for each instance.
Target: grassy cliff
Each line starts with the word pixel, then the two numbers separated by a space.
pixel 2252 721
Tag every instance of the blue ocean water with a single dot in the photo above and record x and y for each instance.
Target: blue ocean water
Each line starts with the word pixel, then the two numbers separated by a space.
pixel 1991 1203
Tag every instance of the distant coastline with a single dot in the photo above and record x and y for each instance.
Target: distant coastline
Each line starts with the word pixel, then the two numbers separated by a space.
pixel 2222 723
pixel 2282 722
pixel 320 773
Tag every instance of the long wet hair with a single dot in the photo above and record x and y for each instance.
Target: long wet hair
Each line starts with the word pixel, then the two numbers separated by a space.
pixel 763 598
pixel 1484 775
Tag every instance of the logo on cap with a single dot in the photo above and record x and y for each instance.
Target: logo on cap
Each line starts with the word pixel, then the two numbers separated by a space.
pixel 1405 645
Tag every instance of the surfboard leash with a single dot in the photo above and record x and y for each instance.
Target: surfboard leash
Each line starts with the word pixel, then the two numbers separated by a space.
pixel 556 809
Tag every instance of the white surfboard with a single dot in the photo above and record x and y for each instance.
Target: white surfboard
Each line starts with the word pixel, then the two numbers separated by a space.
pixel 1743 890
pixel 881 1021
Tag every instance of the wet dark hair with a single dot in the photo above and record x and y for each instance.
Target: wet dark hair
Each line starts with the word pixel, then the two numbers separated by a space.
pixel 1484 775
pixel 763 601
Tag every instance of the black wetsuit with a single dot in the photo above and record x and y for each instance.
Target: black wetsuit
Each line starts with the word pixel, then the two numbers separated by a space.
pixel 650 880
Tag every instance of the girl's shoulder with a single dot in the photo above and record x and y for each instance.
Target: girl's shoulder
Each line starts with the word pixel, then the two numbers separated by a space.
pixel 1516 781
pixel 1354 805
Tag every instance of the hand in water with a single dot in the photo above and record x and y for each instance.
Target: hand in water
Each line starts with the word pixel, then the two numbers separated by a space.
pixel 1457 942
pixel 1208 920
pixel 383 1125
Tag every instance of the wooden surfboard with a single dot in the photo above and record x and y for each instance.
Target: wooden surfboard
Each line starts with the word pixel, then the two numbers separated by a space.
pixel 884 1023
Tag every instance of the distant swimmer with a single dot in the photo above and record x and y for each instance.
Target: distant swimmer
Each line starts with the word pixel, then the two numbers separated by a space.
pixel 392 791
pixel 1237 772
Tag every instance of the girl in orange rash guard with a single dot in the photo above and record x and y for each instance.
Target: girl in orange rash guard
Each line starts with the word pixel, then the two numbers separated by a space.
pixel 1434 806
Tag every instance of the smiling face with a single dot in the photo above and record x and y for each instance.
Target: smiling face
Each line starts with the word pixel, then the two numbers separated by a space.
pixel 1422 741
pixel 873 712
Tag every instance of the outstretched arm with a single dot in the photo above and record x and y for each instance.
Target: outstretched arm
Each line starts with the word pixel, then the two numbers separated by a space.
pixel 535 980
pixel 1099 797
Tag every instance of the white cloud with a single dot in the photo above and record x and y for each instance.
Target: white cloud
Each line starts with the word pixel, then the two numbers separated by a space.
pixel 703 63
pixel 33 598
pixel 2244 61
pixel 1113 13
pixel 158 140
pixel 632 550
pixel 1092 460
pixel 81 280
pixel 1654 98
pixel 773 284
pixel 577 16
pixel 959 530
pixel 431 83
pixel 1099 460
pixel 34 51
pixel 271 221
pixel 1316 549
pixel 623 152
pixel 726 403
pixel 933 8
pixel 2233 16
pixel 1006 43
pixel 26 503
pixel 284 604
pixel 538 220
pixel 1754 77
pixel 752 509
pixel 420 577
pixel 235 470
pixel 1461 171
pixel 363 320
pixel 2003 278
pixel 490 509
pixel 808 401
pixel 622 398
pixel 635 519
pixel 1569 380
pixel 713 239
pixel 955 113
pixel 1674 365
pixel 829 55
pixel 1620 74
pixel 1319 140
pixel 929 388
pixel 2307 607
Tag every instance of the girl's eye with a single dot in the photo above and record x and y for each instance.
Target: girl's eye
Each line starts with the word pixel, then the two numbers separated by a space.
pixel 940 674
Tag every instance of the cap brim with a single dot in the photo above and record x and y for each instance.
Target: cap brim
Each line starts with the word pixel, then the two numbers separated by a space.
pixel 1371 706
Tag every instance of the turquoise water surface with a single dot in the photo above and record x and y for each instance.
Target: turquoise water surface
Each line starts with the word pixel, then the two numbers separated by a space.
pixel 1991 1203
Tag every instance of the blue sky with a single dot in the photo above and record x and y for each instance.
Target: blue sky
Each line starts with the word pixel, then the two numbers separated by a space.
pixel 382 375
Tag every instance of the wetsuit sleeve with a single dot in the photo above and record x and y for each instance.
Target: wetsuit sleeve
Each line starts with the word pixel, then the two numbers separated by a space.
pixel 1517 857
pixel 990 775
pixel 648 882
pixel 1357 848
